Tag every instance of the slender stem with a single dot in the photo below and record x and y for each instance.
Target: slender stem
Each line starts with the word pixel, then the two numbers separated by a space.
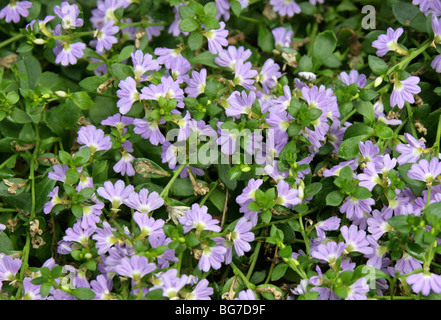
pixel 410 118
pixel 254 258
pixel 348 116
pixel 27 247
pixel 8 210
pixel 12 39
pixel 239 273
pixel 438 137
pixel 164 192
pixel 305 237
pixel 410 57
pixel 205 198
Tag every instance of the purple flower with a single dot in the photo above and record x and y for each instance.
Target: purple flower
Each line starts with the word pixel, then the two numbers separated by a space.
pixel 14 10
pixel 286 196
pixel 124 165
pixel 358 290
pixel 143 63
pixel 216 38
pixel 378 224
pixel 228 57
pixel 355 240
pixel 170 283
pixel 116 194
pixel 328 252
pixel 223 9
pixel 240 103
pixel 241 236
pixel 369 178
pixel 79 234
pixel 356 208
pixel 404 90
pixel 102 287
pixel 168 89
pixel 68 53
pixel 104 238
pixel 249 192
pixel 436 63
pixel 407 264
pixel 282 37
pixel 425 171
pixel 212 257
pixel 198 218
pixel 148 225
pixel 388 42
pixel 197 83
pixel 105 36
pixel 143 201
pixel 425 282
pixel 201 292
pixel 31 291
pixel 425 5
pixel 332 223
pixel 135 267
pixel 353 77
pixel 381 116
pixel 91 215
pixel 167 56
pixel 127 94
pixel 149 131
pixel 55 199
pixel 8 268
pixel 410 152
pixel 68 15
pixel 285 7
pixel 93 138
pixel 119 122
pixel 269 75
pixel 244 75
pixel 246 295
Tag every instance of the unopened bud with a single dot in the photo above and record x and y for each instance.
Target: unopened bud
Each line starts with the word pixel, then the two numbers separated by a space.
pixel 88 256
pixel 61 94
pixel 378 81
pixel 39 41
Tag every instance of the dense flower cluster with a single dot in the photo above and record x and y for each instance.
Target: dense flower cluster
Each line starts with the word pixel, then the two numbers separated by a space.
pixel 331 170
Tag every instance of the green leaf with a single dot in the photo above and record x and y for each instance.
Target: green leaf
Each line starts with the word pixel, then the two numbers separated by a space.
pixel 211 23
pixel 349 147
pixel 83 293
pixel 210 9
pixel 77 210
pixel 346 173
pixel 324 45
pixel 312 189
pixel 361 193
pixel 29 69
pixel 5 243
pixel 126 53
pixel 121 71
pixel 92 83
pixel 377 65
pixel 82 100
pixel 267 291
pixel 366 109
pixel 19 116
pixel 236 7
pixel 334 198
pixel 195 40
pixel 81 157
pixel 285 252
pixel 45 288
pixel 188 25
pixel 265 39
pixel 205 58
pixel 186 12
pixel 384 132
pixel 405 12
pixel 400 223
pixel 279 271
pixel 72 176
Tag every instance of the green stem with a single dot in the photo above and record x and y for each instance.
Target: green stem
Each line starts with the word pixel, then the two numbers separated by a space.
pixel 27 247
pixel 239 273
pixel 410 57
pixel 209 193
pixel 305 237
pixel 165 191
pixel 438 137
pixel 12 39
pixel 410 119
pixel 254 257
pixel 8 210
pixel 7 160
pixel 250 19
pixel 349 115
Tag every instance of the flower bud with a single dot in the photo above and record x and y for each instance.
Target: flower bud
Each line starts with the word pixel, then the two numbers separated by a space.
pixel 378 81
pixel 39 41
pixel 61 94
